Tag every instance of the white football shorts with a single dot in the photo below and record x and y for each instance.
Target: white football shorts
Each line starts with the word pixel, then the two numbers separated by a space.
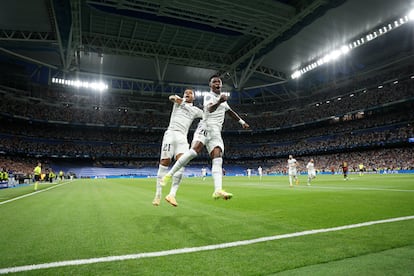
pixel 210 137
pixel 173 143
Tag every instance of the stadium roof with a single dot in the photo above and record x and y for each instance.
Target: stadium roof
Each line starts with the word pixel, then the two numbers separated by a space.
pixel 251 43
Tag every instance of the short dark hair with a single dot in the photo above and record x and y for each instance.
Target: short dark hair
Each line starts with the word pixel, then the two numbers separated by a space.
pixel 214 76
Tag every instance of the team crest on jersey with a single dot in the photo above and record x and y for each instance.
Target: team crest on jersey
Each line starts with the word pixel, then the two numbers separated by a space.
pixel 208 98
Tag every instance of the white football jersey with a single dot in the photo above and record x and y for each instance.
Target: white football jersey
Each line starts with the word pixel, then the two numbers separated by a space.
pixel 214 119
pixel 310 166
pixel 292 163
pixel 182 116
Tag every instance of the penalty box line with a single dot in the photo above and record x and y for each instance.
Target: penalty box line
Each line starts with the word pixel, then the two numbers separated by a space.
pixel 194 249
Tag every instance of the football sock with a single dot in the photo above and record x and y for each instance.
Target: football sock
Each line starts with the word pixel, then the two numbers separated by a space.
pixel 176 181
pixel 217 172
pixel 162 170
pixel 290 180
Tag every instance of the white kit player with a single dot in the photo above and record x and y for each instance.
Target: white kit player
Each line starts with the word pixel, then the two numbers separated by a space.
pixel 260 172
pixel 203 173
pixel 174 142
pixel 311 171
pixel 249 173
pixel 208 134
pixel 292 169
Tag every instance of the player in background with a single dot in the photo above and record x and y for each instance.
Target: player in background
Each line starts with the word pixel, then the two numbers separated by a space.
pixel 203 173
pixel 37 172
pixel 4 177
pixel 52 175
pixel 61 175
pixel 249 172
pixel 174 142
pixel 345 170
pixel 361 169
pixel 311 171
pixel 260 172
pixel 292 168
pixel 208 134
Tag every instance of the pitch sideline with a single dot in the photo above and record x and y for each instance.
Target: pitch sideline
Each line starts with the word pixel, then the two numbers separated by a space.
pixel 40 191
pixel 194 249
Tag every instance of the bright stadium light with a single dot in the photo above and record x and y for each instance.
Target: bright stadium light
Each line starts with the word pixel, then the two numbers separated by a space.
pixel 296 74
pixel 95 85
pixel 343 50
pixel 411 15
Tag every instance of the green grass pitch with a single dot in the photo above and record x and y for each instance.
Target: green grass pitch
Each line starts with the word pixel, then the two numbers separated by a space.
pixel 93 218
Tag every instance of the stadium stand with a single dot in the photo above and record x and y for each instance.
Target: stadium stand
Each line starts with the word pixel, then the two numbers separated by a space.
pixel 357 114
pixel 361 123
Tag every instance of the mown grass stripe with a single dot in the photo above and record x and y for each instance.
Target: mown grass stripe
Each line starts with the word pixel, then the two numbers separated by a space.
pixel 194 249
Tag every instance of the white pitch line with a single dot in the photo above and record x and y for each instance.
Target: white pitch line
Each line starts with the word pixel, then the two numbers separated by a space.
pixel 34 193
pixel 361 189
pixel 193 249
pixel 317 186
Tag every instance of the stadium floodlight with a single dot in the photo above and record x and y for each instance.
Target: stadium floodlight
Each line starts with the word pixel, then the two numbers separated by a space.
pixel 337 53
pixel 94 85
pixel 296 74
pixel 344 49
pixel 411 15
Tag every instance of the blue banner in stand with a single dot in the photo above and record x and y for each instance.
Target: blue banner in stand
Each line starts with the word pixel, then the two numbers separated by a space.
pixel 4 184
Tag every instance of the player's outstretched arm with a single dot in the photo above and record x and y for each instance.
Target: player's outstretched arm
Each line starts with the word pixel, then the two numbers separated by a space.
pixel 236 117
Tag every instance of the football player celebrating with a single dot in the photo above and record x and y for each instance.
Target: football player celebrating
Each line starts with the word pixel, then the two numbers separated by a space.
pixel 174 142
pixel 208 134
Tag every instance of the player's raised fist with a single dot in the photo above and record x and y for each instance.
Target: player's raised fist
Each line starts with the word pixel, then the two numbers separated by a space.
pixel 223 98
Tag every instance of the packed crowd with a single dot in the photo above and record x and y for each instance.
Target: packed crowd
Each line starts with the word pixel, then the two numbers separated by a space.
pixel 319 92
pixel 374 161
pixel 391 128
pixel 128 110
pixel 234 150
pixel 360 115
pixel 341 106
